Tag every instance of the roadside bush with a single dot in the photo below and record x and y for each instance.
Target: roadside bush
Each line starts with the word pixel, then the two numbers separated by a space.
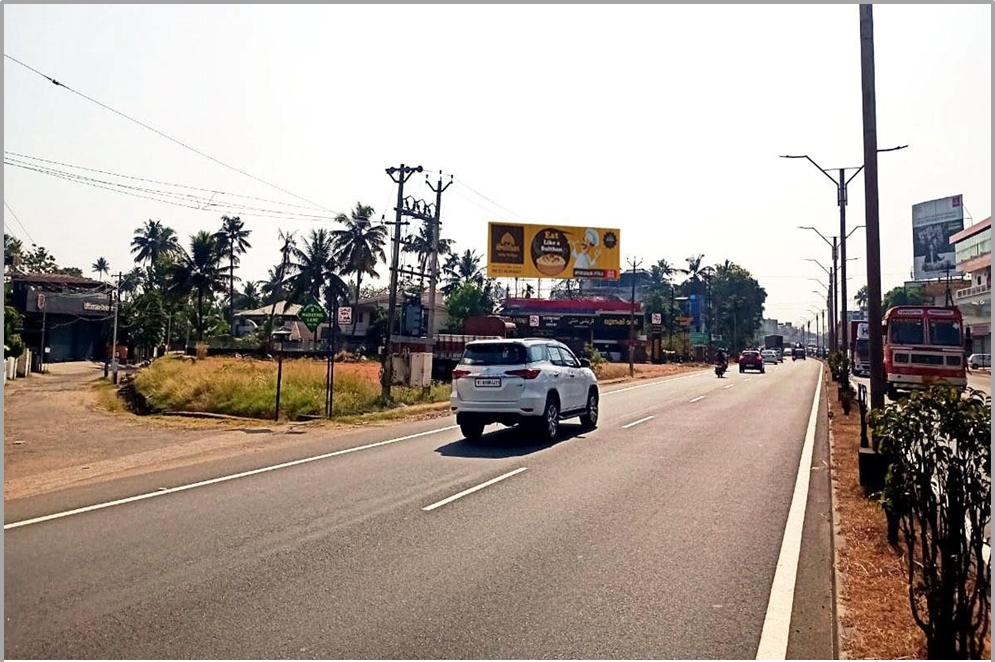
pixel 247 387
pixel 596 358
pixel 938 489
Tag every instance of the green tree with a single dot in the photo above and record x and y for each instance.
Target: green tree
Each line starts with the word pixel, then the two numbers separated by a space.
pixel 461 269
pixel 152 242
pixel 901 296
pixel 359 247
pixel 144 321
pixel 861 298
pixel 421 246
pixel 101 267
pixel 467 300
pixel 13 250
pixel 233 241
pixel 12 344
pixel 198 272
pixel 315 271
pixel 738 302
pixel 277 285
pixel 250 296
pixel 39 261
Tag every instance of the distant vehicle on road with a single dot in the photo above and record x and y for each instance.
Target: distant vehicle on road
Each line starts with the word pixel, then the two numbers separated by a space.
pixel 769 356
pixel 798 353
pixel 979 361
pixel 859 350
pixel 751 360
pixel 775 342
pixel 923 345
pixel 536 382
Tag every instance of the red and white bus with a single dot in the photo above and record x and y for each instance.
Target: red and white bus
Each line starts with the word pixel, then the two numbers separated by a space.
pixel 923 345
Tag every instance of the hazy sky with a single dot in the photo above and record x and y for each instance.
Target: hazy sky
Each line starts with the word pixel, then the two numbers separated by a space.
pixel 663 121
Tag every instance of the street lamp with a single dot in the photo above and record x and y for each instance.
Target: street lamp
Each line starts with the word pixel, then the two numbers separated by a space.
pixel 841 199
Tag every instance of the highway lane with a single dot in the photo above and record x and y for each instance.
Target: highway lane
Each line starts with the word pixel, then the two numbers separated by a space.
pixel 656 540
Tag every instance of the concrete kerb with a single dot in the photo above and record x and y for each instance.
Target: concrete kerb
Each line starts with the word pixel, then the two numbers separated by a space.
pixel 841 633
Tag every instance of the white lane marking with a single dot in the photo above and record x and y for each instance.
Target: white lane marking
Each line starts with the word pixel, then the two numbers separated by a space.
pixel 700 397
pixel 777 622
pixel 464 493
pixel 635 423
pixel 730 385
pixel 654 383
pixel 221 479
pixel 748 379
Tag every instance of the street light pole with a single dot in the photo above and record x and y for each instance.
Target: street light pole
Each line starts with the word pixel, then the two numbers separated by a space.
pixel 632 318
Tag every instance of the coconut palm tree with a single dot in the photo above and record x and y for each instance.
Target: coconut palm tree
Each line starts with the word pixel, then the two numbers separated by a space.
pixel 250 296
pixel 278 277
pixel 462 268
pixel 101 267
pixel 198 271
pixel 359 246
pixel 421 246
pixel 153 241
pixel 233 240
pixel 862 298
pixel 315 268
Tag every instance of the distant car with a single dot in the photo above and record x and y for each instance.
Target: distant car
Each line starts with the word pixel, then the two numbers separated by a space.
pixel 769 355
pixel 751 360
pixel 537 382
pixel 979 361
pixel 798 353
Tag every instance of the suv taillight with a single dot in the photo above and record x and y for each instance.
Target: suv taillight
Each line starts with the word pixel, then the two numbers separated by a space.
pixel 524 373
pixel 460 373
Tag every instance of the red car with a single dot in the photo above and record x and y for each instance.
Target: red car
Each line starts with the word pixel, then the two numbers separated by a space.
pixel 751 360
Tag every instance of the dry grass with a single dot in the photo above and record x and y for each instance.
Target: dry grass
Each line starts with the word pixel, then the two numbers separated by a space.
pixel 612 371
pixel 247 387
pixel 874 601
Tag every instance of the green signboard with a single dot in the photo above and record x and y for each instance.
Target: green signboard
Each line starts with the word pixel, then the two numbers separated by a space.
pixel 699 339
pixel 312 315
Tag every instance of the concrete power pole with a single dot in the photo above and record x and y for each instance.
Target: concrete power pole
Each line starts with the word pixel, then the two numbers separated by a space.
pixel 403 174
pixel 117 307
pixel 632 318
pixel 434 278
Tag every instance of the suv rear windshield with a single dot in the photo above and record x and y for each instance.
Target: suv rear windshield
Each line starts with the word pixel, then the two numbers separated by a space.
pixel 494 354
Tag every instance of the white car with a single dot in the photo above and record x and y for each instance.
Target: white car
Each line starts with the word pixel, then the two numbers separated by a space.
pixel 976 361
pixel 535 382
pixel 770 356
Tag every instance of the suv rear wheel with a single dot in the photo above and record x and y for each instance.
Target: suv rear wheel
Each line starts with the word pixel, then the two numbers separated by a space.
pixel 471 428
pixel 550 425
pixel 589 419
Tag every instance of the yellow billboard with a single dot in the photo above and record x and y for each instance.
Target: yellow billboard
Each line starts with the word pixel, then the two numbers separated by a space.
pixel 518 250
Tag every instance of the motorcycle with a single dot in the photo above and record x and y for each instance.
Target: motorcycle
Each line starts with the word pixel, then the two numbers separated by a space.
pixel 720 370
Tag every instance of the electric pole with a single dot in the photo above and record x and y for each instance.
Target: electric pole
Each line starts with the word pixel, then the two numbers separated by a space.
pixel 117 307
pixel 434 278
pixel 403 174
pixel 878 381
pixel 634 263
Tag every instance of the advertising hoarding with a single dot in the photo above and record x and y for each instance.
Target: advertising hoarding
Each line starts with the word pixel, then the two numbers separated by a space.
pixel 933 223
pixel 518 250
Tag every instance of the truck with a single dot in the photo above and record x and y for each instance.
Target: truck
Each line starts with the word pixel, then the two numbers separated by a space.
pixel 775 342
pixel 859 351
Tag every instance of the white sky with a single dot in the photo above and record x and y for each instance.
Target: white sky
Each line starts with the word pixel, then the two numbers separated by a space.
pixel 664 121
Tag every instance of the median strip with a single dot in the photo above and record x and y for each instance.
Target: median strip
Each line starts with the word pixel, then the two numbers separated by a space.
pixel 460 495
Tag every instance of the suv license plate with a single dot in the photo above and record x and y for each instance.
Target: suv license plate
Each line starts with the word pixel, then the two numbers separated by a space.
pixel 487 382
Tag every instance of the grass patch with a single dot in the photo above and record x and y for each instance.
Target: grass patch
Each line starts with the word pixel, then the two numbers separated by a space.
pixel 247 387
pixel 107 397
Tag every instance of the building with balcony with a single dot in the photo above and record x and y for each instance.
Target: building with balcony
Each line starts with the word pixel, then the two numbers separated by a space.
pixel 973 246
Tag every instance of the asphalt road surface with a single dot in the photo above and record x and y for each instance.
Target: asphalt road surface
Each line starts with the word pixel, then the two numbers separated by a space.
pixel 655 536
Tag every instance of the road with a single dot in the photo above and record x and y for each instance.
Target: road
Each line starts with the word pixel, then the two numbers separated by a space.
pixel 655 536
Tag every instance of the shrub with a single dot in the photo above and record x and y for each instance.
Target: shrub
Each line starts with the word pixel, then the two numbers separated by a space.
pixel 594 356
pixel 939 489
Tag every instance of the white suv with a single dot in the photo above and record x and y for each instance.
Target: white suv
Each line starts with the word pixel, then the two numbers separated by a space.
pixel 528 381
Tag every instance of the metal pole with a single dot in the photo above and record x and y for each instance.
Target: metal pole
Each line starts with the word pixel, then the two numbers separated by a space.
pixel 279 380
pixel 878 381
pixel 41 348
pixel 434 278
pixel 632 320
pixel 844 330
pixel 117 307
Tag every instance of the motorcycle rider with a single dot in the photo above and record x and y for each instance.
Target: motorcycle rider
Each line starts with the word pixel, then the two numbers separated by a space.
pixel 721 362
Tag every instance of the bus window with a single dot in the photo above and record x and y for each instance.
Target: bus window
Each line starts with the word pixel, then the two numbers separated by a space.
pixel 906 332
pixel 944 332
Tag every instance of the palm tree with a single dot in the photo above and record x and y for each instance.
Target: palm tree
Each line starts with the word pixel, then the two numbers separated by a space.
pixel 462 268
pixel 278 277
pixel 233 239
pixel 421 246
pixel 153 241
pixel 359 246
pixel 862 298
pixel 101 267
pixel 249 297
pixel 13 250
pixel 199 271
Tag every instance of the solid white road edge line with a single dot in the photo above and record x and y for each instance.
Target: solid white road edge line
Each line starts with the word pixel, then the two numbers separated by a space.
pixel 777 622
pixel 635 423
pixel 700 397
pixel 654 383
pixel 220 479
pixel 464 493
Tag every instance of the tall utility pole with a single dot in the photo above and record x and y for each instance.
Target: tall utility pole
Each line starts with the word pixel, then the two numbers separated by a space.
pixel 117 307
pixel 634 263
pixel 834 245
pixel 434 278
pixel 403 174
pixel 878 382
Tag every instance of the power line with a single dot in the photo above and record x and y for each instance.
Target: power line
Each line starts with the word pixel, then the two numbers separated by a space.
pixel 164 135
pixel 496 204
pixel 21 225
